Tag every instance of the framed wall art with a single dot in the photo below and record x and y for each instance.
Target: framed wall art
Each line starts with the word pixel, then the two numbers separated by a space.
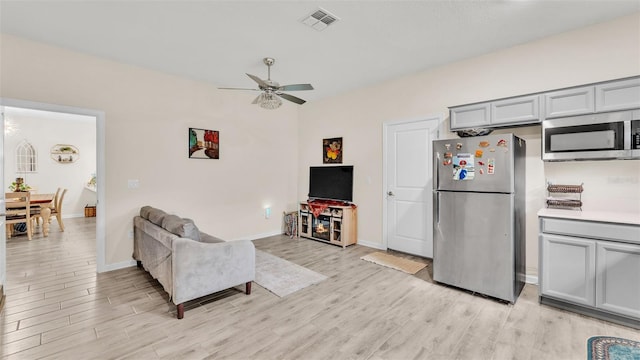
pixel 204 144
pixel 332 151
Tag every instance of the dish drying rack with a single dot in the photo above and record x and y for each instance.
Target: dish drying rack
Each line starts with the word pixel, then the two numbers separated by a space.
pixel 572 198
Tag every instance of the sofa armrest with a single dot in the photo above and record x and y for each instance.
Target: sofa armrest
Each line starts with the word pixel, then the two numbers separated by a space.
pixel 201 268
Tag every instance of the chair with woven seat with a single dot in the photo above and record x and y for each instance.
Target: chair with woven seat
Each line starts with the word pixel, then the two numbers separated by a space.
pixel 18 205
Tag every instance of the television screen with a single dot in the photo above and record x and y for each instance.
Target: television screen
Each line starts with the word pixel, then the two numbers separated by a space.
pixel 331 182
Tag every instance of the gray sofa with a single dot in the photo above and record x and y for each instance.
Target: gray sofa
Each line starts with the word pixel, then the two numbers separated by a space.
pixel 188 263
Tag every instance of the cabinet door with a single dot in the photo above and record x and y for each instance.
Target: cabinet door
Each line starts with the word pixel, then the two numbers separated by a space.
pixel 305 223
pixel 524 109
pixel 470 116
pixel 568 269
pixel 618 95
pixel 618 278
pixel 569 102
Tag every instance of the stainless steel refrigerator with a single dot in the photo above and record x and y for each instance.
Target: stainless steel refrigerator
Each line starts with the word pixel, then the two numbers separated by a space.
pixel 479 214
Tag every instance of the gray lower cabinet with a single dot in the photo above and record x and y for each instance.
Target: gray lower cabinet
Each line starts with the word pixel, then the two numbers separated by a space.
pixel 618 278
pixel 592 268
pixel 569 269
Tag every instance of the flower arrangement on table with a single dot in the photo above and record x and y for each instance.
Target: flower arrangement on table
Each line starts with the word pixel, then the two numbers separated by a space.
pixel 19 186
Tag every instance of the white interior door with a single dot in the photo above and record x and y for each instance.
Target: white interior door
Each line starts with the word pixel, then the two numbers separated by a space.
pixel 409 186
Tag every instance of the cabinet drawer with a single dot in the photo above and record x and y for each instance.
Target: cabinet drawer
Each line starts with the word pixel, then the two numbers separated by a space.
pixel 594 230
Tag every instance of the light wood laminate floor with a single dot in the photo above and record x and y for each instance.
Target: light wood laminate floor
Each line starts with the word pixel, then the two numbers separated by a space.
pixel 58 307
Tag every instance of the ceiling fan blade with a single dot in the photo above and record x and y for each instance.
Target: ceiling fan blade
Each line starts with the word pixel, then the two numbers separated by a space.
pixel 258 80
pixel 296 87
pixel 291 98
pixel 226 88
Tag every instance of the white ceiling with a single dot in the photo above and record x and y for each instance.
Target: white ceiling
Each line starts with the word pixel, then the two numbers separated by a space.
pixel 220 41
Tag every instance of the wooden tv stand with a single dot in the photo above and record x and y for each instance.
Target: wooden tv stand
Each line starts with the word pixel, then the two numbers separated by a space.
pixel 337 224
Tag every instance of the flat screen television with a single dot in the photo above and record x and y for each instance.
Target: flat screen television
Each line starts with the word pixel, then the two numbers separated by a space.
pixel 331 182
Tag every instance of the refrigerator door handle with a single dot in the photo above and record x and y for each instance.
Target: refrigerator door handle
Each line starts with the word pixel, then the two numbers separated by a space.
pixel 437 207
pixel 436 171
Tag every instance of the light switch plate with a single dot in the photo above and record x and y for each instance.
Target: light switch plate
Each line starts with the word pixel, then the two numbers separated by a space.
pixel 133 184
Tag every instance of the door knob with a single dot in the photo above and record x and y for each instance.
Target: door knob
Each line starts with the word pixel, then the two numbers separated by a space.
pixel 390 193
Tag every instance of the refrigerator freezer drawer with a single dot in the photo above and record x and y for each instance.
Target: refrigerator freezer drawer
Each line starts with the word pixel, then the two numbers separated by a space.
pixel 474 243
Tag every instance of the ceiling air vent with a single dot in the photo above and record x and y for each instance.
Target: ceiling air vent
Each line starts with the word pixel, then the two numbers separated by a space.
pixel 320 19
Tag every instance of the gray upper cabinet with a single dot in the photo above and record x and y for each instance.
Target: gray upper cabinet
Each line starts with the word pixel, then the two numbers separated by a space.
pixel 524 109
pixel 606 96
pixel 512 111
pixel 618 95
pixel 576 101
pixel 470 116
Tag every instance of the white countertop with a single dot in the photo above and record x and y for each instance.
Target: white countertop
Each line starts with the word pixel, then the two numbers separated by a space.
pixel 603 216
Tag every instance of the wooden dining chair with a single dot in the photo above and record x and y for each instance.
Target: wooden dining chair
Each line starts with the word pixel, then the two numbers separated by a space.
pixel 36 220
pixel 19 210
pixel 57 207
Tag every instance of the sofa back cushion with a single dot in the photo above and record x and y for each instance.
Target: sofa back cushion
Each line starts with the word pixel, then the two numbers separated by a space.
pixel 182 227
pixel 152 214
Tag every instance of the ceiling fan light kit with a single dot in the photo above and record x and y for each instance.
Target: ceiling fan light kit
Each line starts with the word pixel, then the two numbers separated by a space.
pixel 270 101
pixel 272 95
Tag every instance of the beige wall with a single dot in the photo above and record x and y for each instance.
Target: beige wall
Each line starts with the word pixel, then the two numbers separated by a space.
pixel 602 52
pixel 265 155
pixel 147 119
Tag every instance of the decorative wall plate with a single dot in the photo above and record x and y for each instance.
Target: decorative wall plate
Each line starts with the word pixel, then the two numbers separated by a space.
pixel 64 153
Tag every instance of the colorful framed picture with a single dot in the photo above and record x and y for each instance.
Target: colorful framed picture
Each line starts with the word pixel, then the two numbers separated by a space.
pixel 332 151
pixel 204 144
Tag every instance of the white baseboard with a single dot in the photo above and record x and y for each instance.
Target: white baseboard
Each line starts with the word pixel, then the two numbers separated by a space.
pixel 371 244
pixel 531 279
pixel 120 265
pixel 69 216
pixel 259 236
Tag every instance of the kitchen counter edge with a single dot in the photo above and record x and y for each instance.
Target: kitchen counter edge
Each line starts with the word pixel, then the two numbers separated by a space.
pixel 601 216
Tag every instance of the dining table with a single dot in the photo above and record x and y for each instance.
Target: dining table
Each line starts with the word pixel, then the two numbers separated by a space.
pixel 43 201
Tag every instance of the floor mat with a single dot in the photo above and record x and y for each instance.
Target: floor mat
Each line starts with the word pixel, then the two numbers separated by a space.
pixel 394 262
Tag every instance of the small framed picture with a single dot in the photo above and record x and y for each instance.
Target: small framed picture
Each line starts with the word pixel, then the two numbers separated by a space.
pixel 332 151
pixel 204 144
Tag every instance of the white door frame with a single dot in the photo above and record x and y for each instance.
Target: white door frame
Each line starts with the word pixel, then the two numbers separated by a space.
pixel 385 131
pixel 100 163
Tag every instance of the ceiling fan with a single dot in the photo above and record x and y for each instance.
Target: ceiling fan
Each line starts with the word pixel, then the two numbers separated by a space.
pixel 272 91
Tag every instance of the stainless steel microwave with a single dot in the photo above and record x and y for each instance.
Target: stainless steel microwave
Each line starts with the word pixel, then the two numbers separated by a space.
pixel 614 135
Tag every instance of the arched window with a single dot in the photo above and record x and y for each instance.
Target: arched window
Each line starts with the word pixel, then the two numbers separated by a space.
pixel 26 158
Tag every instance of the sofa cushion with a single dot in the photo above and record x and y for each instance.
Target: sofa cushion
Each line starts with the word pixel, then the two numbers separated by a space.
pixel 156 216
pixel 182 227
pixel 144 212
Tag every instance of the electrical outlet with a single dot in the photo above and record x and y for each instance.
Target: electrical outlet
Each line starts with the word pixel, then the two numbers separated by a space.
pixel 267 212
pixel 133 183
pixel 130 234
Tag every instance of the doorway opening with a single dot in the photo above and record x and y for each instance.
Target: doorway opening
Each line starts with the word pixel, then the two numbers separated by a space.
pixel 73 123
